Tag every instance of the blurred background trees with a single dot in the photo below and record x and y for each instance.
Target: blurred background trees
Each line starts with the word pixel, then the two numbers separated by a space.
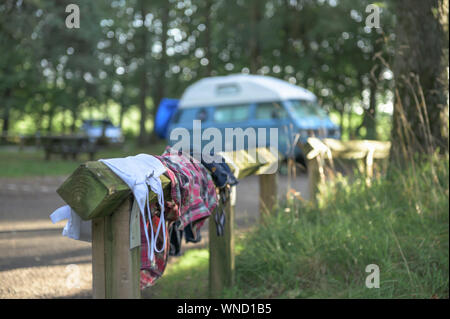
pixel 127 55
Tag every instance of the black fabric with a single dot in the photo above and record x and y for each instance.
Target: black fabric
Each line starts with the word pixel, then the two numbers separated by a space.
pixel 175 239
pixel 189 235
pixel 223 178
pixel 218 168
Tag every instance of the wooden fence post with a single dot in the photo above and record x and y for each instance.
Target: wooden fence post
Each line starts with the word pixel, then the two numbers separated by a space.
pixel 368 164
pixel 221 253
pixel 314 177
pixel 115 268
pixel 268 189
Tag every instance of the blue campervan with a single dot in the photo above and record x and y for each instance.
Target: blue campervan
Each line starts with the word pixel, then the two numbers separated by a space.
pixel 253 101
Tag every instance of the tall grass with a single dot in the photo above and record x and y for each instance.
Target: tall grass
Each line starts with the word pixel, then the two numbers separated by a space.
pixel 400 223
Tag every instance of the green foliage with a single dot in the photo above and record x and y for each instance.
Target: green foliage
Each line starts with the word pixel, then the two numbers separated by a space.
pixel 117 56
pixel 400 223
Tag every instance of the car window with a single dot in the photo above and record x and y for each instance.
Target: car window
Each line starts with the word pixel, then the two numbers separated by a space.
pixel 304 108
pixel 273 110
pixel 231 113
pixel 186 115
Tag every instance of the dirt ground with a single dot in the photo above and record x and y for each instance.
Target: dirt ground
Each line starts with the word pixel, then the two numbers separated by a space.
pixel 36 261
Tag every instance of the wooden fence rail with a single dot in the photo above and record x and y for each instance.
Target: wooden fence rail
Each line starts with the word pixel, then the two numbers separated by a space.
pixel 322 153
pixel 95 193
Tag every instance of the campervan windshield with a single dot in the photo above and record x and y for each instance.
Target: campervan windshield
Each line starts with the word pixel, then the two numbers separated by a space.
pixel 305 108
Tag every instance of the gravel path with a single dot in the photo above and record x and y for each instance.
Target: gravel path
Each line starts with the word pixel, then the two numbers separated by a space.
pixel 37 262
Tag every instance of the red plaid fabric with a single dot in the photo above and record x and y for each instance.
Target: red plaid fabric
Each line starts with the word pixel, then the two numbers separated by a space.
pixel 151 272
pixel 193 197
pixel 195 188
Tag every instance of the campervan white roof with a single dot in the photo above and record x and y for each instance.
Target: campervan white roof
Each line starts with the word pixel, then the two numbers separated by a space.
pixel 241 88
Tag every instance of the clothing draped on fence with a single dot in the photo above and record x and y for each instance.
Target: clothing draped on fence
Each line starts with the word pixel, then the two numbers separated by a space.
pixel 193 198
pixel 75 228
pixel 163 223
pixel 223 178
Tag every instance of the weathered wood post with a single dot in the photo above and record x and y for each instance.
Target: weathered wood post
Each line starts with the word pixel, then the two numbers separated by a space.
pixel 115 267
pixel 97 194
pixel 221 253
pixel 268 180
pixel 221 249
pixel 268 186
pixel 314 151
pixel 314 177
pixel 368 161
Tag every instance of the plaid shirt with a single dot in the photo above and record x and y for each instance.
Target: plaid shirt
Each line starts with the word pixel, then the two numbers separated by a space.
pixel 196 188
pixel 193 198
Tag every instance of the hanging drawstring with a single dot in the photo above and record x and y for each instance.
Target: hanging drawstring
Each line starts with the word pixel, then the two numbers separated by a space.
pixel 151 242
pixel 149 250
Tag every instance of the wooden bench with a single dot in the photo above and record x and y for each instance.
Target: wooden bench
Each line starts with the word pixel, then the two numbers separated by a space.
pixel 68 146
pixel 322 154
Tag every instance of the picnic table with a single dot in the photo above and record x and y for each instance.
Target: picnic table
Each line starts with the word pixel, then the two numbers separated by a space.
pixel 68 145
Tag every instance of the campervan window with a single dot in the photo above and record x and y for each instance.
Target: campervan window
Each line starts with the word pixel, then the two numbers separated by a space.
pixel 267 111
pixel 186 115
pixel 231 113
pixel 304 108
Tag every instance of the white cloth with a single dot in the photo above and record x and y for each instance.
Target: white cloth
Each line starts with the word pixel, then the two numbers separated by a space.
pixel 138 172
pixel 75 228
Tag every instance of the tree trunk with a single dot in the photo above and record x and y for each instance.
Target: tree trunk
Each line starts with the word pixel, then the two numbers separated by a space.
pixel 144 83
pixel 370 119
pixel 351 132
pixel 50 114
pixel 286 29
pixel 122 111
pixel 74 121
pixel 255 49
pixel 208 26
pixel 341 110
pixel 39 119
pixel 160 83
pixel 5 127
pixel 6 112
pixel 63 121
pixel 420 71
